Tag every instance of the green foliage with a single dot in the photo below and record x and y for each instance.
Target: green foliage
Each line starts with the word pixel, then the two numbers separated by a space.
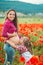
pixel 21 7
pixel 33 38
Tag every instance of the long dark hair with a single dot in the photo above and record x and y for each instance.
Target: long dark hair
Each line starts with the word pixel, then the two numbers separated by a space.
pixel 15 19
pixel 28 44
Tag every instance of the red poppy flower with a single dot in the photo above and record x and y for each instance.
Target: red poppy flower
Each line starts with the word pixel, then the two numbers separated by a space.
pixel 34 60
pixel 0 48
pixel 41 36
pixel 40 63
pixel 21 59
pixel 35 44
pixel 2 60
pixel 41 58
pixel 41 41
pixel 36 34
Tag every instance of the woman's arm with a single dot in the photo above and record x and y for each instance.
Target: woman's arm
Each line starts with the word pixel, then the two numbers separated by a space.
pixel 5 30
pixel 11 43
pixel 12 34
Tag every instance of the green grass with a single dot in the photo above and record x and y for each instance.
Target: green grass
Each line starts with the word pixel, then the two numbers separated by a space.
pixel 1 20
pixel 26 20
pixel 30 20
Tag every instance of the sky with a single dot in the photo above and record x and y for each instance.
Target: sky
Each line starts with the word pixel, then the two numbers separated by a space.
pixel 33 1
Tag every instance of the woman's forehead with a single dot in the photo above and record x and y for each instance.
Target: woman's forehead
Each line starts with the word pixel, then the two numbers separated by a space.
pixel 12 12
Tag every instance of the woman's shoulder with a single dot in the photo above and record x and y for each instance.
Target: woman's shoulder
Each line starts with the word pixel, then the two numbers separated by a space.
pixel 7 23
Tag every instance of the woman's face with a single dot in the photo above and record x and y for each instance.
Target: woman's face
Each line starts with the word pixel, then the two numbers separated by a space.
pixel 11 15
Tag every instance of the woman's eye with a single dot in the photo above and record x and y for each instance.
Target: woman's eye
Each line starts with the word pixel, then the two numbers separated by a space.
pixel 12 14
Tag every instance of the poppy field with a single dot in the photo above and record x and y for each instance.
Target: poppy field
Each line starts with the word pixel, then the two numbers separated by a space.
pixel 35 34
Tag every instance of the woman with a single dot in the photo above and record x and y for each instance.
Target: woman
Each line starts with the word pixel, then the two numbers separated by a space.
pixel 9 30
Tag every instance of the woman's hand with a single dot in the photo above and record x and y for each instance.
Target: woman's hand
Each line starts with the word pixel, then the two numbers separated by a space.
pixel 12 34
pixel 11 43
pixel 20 34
